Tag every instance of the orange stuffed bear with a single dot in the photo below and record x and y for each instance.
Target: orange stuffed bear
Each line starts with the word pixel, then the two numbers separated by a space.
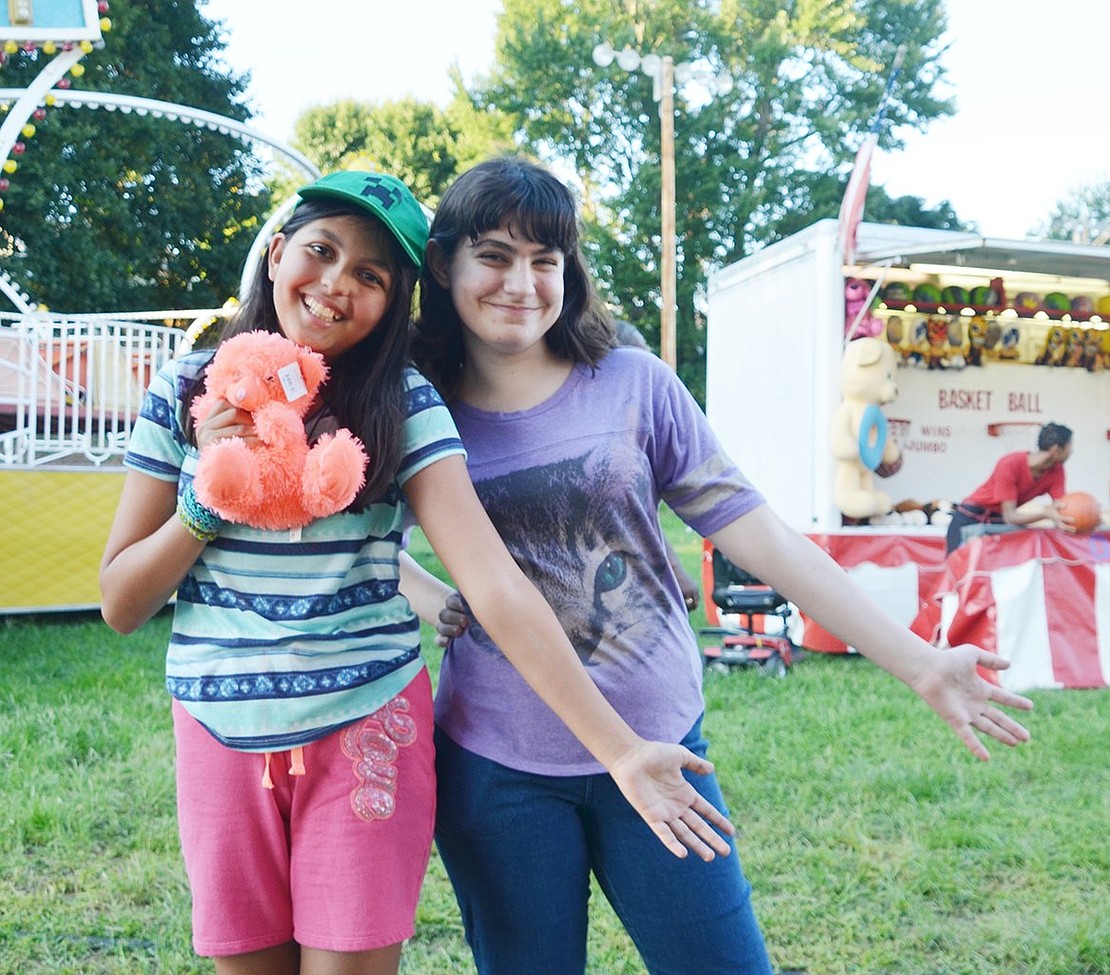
pixel 277 482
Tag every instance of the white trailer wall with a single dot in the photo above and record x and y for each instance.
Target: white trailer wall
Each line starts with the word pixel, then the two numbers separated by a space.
pixel 769 391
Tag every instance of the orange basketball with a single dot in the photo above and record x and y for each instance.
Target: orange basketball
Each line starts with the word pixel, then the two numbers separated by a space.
pixel 1083 508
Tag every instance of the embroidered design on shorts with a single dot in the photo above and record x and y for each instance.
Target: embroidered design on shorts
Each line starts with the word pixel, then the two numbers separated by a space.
pixel 372 745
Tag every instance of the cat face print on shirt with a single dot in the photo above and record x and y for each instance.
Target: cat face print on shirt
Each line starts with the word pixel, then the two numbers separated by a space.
pixel 584 533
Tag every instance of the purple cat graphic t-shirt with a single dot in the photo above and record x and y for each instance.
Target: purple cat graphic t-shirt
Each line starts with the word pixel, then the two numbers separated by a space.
pixel 573 486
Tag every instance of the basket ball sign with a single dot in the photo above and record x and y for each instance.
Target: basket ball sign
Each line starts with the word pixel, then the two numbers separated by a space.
pixel 1083 509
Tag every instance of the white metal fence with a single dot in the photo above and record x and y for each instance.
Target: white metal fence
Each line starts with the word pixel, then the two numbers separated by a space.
pixel 70 388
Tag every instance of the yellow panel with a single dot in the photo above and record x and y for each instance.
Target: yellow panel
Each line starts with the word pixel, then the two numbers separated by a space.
pixel 56 524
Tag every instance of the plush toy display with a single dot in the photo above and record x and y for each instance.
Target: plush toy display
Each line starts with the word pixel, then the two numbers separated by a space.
pixel 976 340
pixel 1008 349
pixel 277 482
pixel 913 514
pixel 993 342
pixel 1092 350
pixel 858 435
pixel 1073 351
pixel 957 343
pixel 936 355
pixel 1055 346
pixel 917 345
pixel 895 333
pixel 859 322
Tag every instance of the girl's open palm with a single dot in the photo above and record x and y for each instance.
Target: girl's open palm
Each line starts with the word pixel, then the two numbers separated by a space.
pixel 650 778
pixel 968 702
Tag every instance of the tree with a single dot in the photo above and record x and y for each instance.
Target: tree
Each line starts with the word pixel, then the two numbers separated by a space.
pixel 1083 217
pixel 416 141
pixel 814 196
pixel 807 79
pixel 115 212
pixel 910 211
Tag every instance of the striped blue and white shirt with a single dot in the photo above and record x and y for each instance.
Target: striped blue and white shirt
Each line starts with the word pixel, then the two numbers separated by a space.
pixel 278 639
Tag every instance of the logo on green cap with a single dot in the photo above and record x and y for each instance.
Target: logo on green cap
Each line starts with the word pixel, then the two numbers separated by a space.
pixel 386 197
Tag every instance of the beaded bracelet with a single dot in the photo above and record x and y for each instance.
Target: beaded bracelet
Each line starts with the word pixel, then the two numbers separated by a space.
pixel 200 522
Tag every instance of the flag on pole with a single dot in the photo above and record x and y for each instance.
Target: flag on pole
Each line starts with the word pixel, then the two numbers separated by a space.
pixel 851 207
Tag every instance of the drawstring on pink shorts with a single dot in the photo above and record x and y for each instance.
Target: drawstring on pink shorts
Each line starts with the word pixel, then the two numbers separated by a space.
pixel 296 766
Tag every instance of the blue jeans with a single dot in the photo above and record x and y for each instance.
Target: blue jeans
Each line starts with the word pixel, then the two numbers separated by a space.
pixel 519 849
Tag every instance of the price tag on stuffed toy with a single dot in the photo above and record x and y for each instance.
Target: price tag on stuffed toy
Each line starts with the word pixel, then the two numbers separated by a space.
pixel 292 381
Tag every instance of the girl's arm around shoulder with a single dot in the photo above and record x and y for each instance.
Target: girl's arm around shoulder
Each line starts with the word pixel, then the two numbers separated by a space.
pixel 947 680
pixel 525 628
pixel 433 600
pixel 426 594
pixel 148 553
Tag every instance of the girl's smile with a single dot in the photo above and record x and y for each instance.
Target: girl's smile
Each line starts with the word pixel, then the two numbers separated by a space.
pixel 332 281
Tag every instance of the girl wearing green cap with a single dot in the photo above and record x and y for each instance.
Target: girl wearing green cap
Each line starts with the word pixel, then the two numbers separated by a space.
pixel 301 705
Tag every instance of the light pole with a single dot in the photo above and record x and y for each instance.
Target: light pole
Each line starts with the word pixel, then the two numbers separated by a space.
pixel 664 73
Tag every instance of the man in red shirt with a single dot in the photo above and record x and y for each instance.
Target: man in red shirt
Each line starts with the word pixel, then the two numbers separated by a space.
pixel 1016 479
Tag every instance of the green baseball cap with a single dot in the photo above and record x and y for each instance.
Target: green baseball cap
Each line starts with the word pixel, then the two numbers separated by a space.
pixel 386 197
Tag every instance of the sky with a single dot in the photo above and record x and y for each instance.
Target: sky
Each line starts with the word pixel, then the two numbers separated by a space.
pixel 1029 80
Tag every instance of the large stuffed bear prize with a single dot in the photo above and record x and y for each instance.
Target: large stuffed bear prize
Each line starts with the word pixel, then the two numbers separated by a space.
pixel 858 435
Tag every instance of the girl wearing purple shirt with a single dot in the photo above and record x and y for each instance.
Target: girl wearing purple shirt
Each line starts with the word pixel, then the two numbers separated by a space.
pixel 572 444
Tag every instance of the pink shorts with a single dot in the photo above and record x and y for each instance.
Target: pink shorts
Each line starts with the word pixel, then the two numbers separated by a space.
pixel 332 858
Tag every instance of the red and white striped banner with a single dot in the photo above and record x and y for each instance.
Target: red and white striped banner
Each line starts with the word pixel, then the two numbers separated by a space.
pixel 1039 598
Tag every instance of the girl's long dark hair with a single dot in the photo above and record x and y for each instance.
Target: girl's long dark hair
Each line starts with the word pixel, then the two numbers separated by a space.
pixel 365 386
pixel 533 204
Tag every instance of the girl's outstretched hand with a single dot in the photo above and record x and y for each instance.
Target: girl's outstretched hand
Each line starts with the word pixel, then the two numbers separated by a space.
pixel 650 778
pixel 969 703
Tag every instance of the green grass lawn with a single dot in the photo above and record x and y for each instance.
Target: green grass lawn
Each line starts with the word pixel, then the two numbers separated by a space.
pixel 876 845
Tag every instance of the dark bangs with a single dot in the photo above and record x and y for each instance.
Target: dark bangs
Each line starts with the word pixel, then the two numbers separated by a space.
pixel 540 211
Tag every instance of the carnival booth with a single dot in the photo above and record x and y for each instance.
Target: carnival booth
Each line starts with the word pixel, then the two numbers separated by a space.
pixel 899 381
